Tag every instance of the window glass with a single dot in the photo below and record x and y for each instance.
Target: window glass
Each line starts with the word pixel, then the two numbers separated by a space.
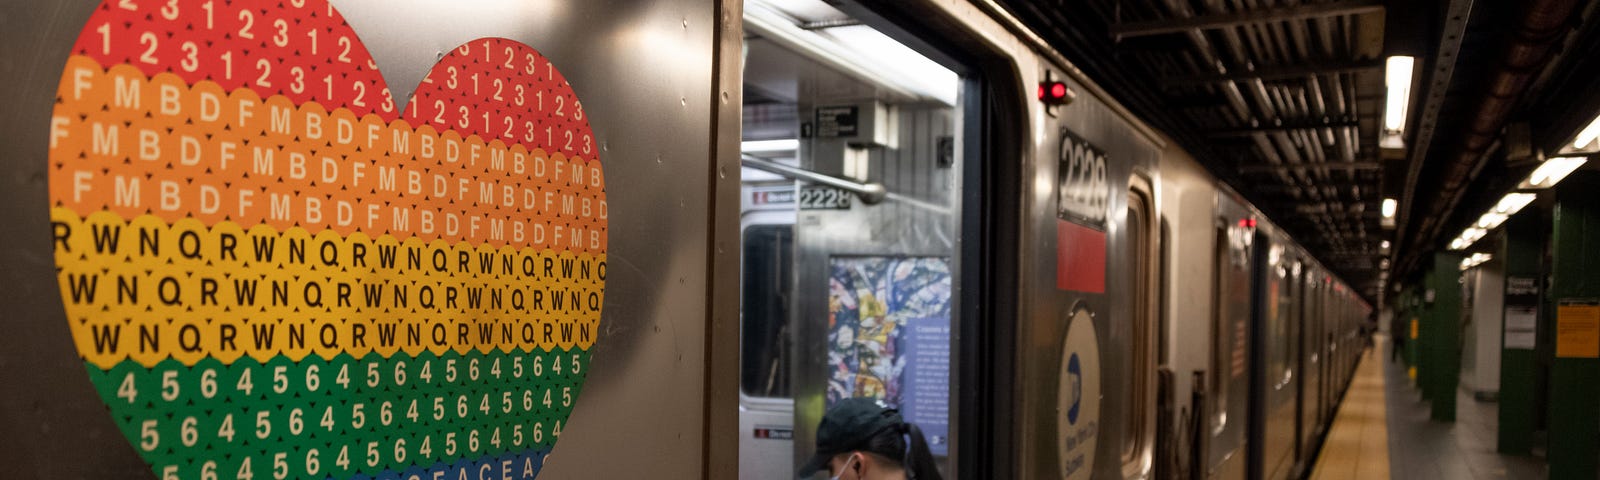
pixel 764 310
pixel 1221 350
pixel 1139 265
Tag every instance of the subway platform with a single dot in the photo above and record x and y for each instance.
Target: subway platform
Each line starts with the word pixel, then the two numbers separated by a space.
pixel 1383 430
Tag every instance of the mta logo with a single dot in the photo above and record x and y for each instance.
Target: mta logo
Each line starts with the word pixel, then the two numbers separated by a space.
pixel 1075 381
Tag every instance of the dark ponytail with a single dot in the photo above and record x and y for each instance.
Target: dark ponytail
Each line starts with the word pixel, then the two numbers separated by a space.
pixel 905 444
pixel 919 460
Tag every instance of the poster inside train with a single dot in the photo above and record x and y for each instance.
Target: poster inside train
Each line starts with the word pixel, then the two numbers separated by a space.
pixel 889 337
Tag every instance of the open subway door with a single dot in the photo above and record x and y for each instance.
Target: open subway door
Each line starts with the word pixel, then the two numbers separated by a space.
pixel 860 300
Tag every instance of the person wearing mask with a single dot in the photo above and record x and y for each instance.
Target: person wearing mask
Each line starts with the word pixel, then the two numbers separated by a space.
pixel 860 439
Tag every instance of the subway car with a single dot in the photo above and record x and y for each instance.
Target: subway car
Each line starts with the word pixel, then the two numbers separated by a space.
pixel 1130 316
pixel 346 239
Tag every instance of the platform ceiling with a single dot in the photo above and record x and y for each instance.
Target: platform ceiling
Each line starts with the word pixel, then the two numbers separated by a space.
pixel 1284 100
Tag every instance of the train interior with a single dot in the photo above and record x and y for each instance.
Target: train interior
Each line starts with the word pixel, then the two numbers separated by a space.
pixel 844 293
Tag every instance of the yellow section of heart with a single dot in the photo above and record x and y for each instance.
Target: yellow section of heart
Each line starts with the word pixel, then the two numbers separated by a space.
pixel 145 290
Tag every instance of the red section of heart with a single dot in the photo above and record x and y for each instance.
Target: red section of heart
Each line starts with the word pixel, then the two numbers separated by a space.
pixel 304 50
pixel 498 88
pixel 281 47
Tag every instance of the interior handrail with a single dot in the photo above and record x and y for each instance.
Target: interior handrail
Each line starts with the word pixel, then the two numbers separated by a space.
pixel 870 193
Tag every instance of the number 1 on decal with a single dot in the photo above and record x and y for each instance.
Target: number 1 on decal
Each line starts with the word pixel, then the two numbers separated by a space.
pixel 105 38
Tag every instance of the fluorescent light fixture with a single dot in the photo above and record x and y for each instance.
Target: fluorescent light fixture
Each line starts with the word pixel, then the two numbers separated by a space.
pixel 1397 77
pixel 768 146
pixel 1508 205
pixel 1513 202
pixel 1490 220
pixel 859 51
pixel 1467 238
pixel 1391 140
pixel 1390 206
pixel 1475 260
pixel 1552 171
pixel 1587 135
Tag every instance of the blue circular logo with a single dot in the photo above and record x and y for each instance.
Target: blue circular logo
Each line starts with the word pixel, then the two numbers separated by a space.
pixel 1074 375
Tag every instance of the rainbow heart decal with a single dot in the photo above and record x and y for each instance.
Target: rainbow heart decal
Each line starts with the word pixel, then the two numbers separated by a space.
pixel 271 270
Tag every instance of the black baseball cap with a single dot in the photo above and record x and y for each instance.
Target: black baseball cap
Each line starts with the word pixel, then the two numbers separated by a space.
pixel 847 427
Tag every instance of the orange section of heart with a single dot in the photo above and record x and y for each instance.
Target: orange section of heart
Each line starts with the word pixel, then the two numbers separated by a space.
pixel 204 122
pixel 135 146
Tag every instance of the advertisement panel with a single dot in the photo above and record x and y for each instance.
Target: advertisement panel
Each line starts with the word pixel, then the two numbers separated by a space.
pixel 889 337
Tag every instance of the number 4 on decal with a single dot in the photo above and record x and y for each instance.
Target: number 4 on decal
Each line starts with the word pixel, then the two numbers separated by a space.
pixel 127 389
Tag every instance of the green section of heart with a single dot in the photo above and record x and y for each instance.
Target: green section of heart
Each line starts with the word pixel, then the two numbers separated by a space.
pixel 341 416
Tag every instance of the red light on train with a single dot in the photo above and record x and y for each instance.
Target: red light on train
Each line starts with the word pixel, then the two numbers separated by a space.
pixel 1054 93
pixel 1247 223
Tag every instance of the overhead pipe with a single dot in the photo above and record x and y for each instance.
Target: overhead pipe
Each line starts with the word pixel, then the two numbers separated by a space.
pixel 1353 140
pixel 1295 44
pixel 1274 43
pixel 1325 32
pixel 1231 89
pixel 1542 26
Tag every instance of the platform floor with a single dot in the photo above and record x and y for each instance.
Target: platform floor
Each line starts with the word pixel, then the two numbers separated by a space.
pixel 1383 431
pixel 1357 446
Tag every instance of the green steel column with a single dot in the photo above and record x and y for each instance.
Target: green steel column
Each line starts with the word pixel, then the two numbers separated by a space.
pixel 1413 316
pixel 1414 347
pixel 1441 320
pixel 1420 369
pixel 1417 348
pixel 1522 250
pixel 1575 380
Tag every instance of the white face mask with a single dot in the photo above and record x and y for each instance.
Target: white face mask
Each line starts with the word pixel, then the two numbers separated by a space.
pixel 846 466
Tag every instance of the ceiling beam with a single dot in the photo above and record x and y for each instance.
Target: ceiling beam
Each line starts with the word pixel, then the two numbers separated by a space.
pixel 1288 126
pixel 1289 190
pixel 1348 253
pixel 1248 17
pixel 1310 166
pixel 1276 72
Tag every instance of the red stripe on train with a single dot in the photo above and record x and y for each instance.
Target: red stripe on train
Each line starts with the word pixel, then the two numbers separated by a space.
pixel 1080 258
